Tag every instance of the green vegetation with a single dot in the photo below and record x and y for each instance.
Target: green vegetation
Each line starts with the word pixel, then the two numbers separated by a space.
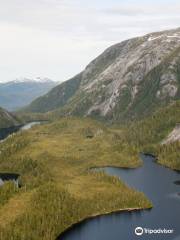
pixel 147 135
pixel 58 186
pixel 7 191
pixel 169 155
pixel 55 160
pixel 30 117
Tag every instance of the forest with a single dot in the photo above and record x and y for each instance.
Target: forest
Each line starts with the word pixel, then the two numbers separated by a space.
pixel 55 162
pixel 58 186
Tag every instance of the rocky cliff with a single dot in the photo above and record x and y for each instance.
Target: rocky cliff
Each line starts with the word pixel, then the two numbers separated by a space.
pixel 129 80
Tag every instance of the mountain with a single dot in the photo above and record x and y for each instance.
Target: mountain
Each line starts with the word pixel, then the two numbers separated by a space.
pixel 7 119
pixel 57 97
pixel 127 81
pixel 20 92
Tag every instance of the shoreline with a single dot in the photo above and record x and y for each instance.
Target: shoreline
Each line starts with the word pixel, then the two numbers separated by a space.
pixel 114 211
pixel 161 164
pixel 101 215
pixel 114 166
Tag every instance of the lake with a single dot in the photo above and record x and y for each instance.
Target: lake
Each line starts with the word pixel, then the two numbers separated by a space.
pixel 160 185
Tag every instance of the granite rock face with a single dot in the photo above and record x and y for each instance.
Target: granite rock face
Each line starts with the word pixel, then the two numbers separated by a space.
pixel 173 136
pixel 129 79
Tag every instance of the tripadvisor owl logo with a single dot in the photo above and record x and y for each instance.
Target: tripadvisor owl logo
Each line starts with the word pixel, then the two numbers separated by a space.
pixel 139 231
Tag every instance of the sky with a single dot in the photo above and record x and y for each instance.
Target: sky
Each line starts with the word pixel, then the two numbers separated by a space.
pixel 58 38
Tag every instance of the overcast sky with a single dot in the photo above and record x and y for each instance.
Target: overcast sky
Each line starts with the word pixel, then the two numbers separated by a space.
pixel 58 38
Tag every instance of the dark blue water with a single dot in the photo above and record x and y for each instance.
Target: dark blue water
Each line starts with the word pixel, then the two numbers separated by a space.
pixel 5 132
pixel 9 177
pixel 157 182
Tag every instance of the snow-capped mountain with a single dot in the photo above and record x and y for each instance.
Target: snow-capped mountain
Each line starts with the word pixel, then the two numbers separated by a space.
pixel 20 92
pixel 25 80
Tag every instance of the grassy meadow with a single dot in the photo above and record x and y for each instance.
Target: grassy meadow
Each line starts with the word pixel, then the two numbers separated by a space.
pixel 58 186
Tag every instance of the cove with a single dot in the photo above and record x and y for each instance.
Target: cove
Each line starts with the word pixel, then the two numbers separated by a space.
pixel 158 183
pixel 5 132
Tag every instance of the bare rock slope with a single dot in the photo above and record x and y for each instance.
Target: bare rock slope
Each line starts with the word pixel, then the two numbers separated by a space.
pixel 173 136
pixel 129 80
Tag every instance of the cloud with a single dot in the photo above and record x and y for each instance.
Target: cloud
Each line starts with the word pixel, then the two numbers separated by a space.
pixel 125 11
pixel 58 38
pixel 144 9
pixel 49 15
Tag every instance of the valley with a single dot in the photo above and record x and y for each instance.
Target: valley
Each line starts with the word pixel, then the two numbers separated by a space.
pixel 125 102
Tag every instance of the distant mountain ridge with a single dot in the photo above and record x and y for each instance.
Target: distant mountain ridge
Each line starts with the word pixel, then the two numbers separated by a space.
pixel 25 80
pixel 21 92
pixel 57 97
pixel 129 80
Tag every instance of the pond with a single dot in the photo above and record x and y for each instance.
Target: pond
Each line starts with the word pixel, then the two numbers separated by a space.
pixel 9 177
